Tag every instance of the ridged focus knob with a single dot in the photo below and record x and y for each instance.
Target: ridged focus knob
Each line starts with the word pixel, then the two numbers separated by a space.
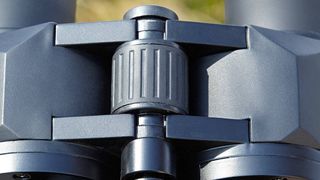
pixel 149 76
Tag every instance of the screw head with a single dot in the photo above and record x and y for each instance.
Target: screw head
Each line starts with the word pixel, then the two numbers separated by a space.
pixel 280 178
pixel 22 176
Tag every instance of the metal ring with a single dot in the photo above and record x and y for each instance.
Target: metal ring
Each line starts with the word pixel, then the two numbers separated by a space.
pixel 265 159
pixel 49 157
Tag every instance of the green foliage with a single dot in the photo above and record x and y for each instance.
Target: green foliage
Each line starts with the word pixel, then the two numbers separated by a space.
pixel 192 10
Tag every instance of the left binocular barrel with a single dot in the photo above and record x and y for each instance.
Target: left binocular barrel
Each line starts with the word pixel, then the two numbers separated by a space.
pixel 16 14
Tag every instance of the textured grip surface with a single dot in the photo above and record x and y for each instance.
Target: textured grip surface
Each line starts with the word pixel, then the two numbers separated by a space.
pixel 149 77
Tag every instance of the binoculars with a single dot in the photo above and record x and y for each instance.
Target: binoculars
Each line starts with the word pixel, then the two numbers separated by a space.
pixel 150 97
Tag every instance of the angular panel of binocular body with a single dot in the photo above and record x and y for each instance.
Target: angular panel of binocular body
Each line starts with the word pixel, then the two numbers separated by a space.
pixel 150 97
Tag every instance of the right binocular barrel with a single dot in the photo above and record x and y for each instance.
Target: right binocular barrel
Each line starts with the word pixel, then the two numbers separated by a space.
pixel 293 15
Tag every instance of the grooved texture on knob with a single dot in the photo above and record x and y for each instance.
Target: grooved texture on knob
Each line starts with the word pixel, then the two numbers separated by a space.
pixel 152 77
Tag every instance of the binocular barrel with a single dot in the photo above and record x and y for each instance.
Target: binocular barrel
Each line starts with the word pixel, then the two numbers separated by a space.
pixel 287 15
pixel 15 14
